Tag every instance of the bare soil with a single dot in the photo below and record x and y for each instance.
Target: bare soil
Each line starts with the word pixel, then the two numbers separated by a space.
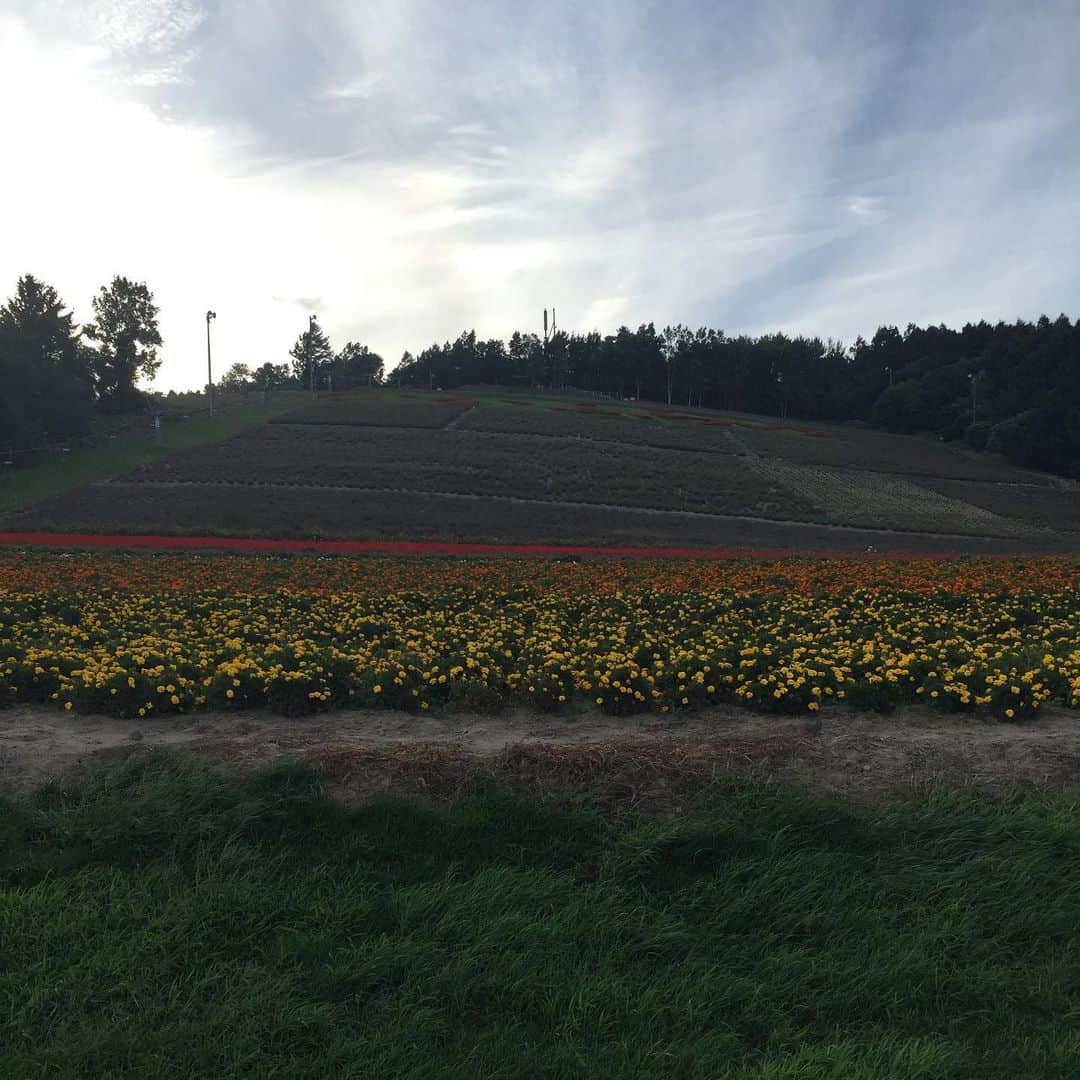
pixel 660 763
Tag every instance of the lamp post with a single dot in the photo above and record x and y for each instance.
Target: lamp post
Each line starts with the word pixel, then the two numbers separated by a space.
pixel 973 378
pixel 209 371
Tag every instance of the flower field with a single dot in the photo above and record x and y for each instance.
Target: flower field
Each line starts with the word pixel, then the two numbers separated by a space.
pixel 150 634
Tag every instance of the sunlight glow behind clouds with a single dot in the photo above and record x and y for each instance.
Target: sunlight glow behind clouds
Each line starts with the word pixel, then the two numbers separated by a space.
pixel 417 170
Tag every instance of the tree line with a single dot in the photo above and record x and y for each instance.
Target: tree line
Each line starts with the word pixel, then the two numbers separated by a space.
pixel 315 365
pixel 1012 388
pixel 54 375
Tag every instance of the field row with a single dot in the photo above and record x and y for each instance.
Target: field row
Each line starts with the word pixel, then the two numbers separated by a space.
pixel 666 428
pixel 311 513
pixel 531 467
pixel 30 572
pixel 451 644
pixel 371 410
pixel 828 445
pixel 474 463
pixel 597 425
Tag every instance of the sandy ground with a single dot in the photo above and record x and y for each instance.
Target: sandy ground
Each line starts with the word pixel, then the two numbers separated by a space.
pixel 651 760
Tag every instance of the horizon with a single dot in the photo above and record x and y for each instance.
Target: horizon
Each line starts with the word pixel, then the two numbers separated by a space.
pixel 743 168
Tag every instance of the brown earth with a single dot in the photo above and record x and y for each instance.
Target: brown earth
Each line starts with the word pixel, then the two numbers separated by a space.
pixel 656 762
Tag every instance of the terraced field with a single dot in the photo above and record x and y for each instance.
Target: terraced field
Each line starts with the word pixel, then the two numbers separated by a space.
pixel 504 469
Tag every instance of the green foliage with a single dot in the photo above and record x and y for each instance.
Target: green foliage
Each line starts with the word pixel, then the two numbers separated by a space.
pixel 934 379
pixel 47 385
pixel 1047 437
pixel 164 921
pixel 977 435
pixel 356 365
pixel 125 328
pixel 238 377
pixel 312 356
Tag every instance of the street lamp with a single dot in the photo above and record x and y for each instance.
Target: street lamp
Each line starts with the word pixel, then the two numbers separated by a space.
pixel 973 378
pixel 209 372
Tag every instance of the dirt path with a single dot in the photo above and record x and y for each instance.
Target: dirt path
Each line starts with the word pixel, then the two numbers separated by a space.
pixel 455 420
pixel 646 759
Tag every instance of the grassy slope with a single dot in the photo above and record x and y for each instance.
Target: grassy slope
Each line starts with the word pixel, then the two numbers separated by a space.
pixel 169 923
pixel 497 450
pixel 128 450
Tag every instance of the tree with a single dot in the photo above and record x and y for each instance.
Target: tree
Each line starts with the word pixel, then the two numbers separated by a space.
pixel 271 376
pixel 238 377
pixel 356 365
pixel 47 384
pixel 125 329
pixel 311 354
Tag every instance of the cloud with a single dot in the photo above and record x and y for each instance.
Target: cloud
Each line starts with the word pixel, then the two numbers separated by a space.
pixel 309 303
pixel 408 168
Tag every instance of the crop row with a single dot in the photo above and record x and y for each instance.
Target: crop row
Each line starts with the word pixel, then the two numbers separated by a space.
pixel 477 463
pixel 373 411
pixel 599 425
pixel 627 651
pixel 29 572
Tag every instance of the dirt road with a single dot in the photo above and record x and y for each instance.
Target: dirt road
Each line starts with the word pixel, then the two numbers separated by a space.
pixel 649 759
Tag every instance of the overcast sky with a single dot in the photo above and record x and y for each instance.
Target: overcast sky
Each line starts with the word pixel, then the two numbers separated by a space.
pixel 406 169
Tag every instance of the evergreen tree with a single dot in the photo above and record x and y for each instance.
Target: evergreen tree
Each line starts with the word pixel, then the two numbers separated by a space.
pixel 312 356
pixel 44 369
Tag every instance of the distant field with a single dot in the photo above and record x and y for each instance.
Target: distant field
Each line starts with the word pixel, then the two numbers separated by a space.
pixel 135 445
pixel 879 500
pixel 1057 507
pixel 377 410
pixel 477 463
pixel 878 451
pixel 606 423
pixel 389 465
pixel 224 510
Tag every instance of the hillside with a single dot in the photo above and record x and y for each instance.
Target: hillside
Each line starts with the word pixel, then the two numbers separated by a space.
pixel 486 466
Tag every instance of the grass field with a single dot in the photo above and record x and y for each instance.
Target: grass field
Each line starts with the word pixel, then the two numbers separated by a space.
pixel 878 451
pixel 386 408
pixel 540 468
pixel 163 921
pixel 129 449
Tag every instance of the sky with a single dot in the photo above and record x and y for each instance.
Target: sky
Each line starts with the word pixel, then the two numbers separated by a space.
pixel 407 169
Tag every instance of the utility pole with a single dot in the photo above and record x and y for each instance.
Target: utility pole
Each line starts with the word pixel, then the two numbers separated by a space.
pixel 209 371
pixel 974 380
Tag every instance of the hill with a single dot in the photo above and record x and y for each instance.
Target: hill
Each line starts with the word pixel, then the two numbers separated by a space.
pixel 505 467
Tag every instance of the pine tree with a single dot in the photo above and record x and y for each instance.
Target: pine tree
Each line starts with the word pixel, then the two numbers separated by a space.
pixel 312 355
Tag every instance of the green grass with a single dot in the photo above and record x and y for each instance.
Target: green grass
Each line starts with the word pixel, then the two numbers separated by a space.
pixel 164 921
pixel 22 487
